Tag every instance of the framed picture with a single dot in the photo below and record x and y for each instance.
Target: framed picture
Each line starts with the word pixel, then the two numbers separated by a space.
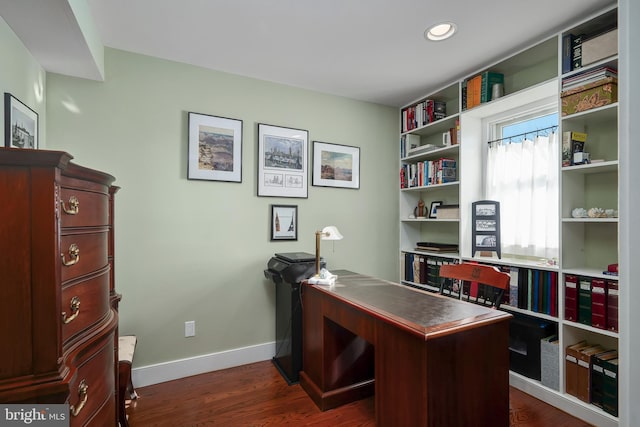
pixel 433 212
pixel 485 231
pixel 284 222
pixel 336 165
pixel 215 148
pixel 282 161
pixel 20 124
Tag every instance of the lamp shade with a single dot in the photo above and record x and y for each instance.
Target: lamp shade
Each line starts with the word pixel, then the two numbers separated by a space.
pixel 330 232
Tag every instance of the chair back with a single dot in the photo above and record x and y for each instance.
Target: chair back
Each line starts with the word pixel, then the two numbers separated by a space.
pixel 491 282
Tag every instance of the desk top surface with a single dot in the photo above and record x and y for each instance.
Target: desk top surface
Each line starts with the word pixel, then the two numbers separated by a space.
pixel 421 312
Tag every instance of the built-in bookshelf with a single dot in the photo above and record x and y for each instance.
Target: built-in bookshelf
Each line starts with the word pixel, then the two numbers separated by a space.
pixel 588 244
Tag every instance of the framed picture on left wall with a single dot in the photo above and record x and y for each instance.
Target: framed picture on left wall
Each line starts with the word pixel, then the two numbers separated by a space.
pixel 215 148
pixel 20 124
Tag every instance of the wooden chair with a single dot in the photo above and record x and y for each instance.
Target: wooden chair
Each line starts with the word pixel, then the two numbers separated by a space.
pixel 492 283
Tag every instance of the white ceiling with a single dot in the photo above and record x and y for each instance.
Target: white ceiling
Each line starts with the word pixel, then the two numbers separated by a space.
pixel 371 50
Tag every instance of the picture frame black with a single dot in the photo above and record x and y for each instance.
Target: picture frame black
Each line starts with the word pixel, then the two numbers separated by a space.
pixel 21 124
pixel 335 165
pixel 282 161
pixel 433 210
pixel 284 222
pixel 485 233
pixel 215 148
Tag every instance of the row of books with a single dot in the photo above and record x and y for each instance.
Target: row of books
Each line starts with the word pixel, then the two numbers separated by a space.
pixel 410 144
pixel 591 375
pixel 424 269
pixel 587 77
pixel 477 90
pixel 423 113
pixel 428 172
pixel 591 301
pixel 532 289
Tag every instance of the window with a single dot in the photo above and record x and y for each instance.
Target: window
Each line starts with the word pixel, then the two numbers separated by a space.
pixel 522 174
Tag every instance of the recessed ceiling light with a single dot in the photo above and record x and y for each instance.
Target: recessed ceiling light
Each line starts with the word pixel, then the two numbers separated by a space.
pixel 440 31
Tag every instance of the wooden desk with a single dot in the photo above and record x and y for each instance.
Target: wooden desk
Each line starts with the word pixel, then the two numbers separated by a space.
pixel 436 361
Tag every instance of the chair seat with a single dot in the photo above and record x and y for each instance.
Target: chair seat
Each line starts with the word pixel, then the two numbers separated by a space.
pixel 126 348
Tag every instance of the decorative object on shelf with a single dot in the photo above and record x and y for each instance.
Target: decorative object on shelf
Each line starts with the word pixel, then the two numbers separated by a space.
pixel 336 165
pixel 419 211
pixel 433 212
pixel 596 213
pixel 215 148
pixel 284 222
pixel 486 227
pixel 448 212
pixel 20 124
pixel 330 232
pixel 497 91
pixel 282 161
pixel 579 213
pixel 611 213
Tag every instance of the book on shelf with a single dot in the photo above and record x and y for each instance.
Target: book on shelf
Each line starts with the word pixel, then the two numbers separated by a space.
pixel 610 387
pixel 587 77
pixel 597 376
pixel 584 370
pixel 584 300
pixel 571 297
pixel 576 52
pixel 572 142
pixel 488 79
pixel 567 52
pixel 436 247
pixel 571 367
pixel 513 287
pixel 612 305
pixel 598 303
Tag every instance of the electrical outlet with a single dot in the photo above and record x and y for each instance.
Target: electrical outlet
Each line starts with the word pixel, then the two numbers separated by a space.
pixel 190 328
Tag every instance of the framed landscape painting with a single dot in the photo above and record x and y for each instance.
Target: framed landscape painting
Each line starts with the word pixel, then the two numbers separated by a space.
pixel 215 148
pixel 20 124
pixel 336 165
pixel 282 161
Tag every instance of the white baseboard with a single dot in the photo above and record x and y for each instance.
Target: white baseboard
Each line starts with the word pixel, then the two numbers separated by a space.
pixel 176 369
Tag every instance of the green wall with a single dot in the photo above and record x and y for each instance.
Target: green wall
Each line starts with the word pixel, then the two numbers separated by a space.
pixel 22 76
pixel 196 250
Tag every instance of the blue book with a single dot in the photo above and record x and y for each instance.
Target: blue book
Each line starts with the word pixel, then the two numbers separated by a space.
pixel 536 290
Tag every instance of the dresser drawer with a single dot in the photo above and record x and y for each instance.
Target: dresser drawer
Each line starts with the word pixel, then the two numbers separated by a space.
pixel 80 208
pixel 82 253
pixel 93 384
pixel 84 304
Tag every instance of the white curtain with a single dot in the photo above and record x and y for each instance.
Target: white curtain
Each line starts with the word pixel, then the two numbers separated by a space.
pixel 523 177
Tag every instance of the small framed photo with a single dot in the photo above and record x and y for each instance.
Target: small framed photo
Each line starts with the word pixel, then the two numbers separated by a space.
pixel 433 212
pixel 215 148
pixel 336 165
pixel 485 209
pixel 284 222
pixel 282 161
pixel 20 124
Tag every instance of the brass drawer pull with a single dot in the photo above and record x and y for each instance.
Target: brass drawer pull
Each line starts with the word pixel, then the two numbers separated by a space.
pixel 74 254
pixel 74 306
pixel 83 394
pixel 74 206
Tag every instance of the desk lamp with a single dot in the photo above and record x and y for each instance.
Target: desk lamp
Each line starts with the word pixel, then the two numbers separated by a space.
pixel 330 232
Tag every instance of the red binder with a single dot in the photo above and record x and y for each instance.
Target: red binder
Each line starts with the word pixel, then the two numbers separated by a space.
pixel 598 303
pixel 612 305
pixel 571 297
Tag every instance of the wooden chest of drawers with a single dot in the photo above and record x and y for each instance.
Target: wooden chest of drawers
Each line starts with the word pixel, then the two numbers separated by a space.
pixel 58 305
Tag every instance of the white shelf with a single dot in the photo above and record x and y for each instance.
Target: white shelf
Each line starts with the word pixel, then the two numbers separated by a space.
pixel 432 187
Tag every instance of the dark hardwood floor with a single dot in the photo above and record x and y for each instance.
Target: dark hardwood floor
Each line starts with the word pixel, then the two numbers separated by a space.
pixel 257 395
